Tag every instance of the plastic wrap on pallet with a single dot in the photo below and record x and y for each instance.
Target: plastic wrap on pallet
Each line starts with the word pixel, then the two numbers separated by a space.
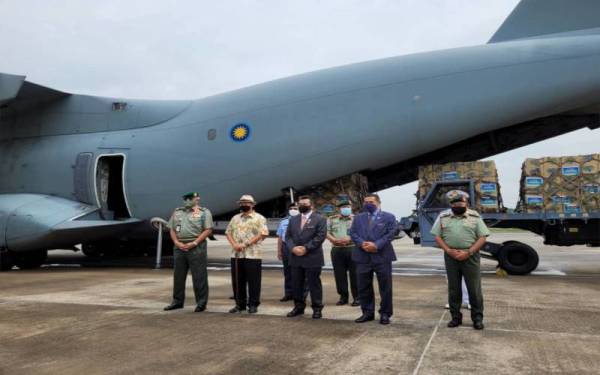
pixel 326 196
pixel 484 173
pixel 563 185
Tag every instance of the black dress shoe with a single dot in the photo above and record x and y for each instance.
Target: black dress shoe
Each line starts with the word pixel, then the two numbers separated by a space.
pixel 199 308
pixel 173 306
pixel 365 318
pixel 356 303
pixel 384 319
pixel 317 314
pixel 295 312
pixel 455 322
pixel 342 302
pixel 286 298
pixel 478 325
pixel 235 310
pixel 252 309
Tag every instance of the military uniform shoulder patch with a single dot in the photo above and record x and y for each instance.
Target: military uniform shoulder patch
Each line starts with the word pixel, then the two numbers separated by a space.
pixel 446 213
pixel 473 213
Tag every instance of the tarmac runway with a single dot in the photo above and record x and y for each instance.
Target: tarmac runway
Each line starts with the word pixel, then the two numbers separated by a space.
pixel 74 317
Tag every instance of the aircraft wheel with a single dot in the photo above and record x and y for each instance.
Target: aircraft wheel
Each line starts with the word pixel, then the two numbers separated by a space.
pixel 518 258
pixel 91 250
pixel 30 260
pixel 6 261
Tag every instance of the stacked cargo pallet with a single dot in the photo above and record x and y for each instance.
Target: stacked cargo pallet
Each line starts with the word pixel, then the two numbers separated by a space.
pixel 562 185
pixel 484 173
pixel 350 188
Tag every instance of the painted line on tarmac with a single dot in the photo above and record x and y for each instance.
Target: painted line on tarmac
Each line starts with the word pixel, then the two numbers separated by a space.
pixel 435 330
pixel 531 332
pixel 551 272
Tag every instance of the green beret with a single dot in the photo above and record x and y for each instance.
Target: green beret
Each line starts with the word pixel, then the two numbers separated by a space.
pixel 454 196
pixel 190 195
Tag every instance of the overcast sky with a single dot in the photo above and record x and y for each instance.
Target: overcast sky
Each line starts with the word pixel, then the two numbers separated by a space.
pixel 192 49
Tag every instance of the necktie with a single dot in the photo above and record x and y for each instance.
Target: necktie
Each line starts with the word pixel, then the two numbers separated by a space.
pixel 303 222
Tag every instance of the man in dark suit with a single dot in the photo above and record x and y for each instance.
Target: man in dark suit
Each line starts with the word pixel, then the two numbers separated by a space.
pixel 304 237
pixel 373 232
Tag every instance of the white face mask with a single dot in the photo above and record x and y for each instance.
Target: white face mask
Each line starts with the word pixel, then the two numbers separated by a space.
pixel 293 212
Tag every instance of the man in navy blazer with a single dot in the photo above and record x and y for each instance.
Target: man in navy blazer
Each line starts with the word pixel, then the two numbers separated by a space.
pixel 304 237
pixel 373 231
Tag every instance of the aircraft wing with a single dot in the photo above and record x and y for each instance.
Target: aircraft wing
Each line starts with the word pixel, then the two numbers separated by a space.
pixel 31 222
pixel 19 94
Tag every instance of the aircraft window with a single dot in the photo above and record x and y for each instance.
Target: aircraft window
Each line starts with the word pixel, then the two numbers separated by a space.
pixel 212 134
pixel 119 106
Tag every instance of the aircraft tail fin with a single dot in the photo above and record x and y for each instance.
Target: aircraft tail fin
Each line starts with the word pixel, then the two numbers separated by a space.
pixel 532 18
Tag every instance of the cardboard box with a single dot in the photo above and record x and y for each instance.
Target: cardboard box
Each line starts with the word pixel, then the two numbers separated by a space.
pixel 566 185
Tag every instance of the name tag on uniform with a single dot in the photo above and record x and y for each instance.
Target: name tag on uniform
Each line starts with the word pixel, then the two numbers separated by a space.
pixel 178 228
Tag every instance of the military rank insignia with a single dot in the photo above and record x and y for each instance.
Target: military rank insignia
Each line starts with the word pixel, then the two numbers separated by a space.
pixel 240 132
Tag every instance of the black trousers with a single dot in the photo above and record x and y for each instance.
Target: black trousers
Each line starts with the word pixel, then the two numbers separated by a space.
pixel 246 275
pixel 288 290
pixel 344 267
pixel 469 269
pixel 311 276
pixel 193 260
pixel 365 287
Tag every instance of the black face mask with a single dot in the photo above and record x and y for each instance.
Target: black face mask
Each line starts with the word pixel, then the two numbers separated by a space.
pixel 303 209
pixel 245 208
pixel 459 210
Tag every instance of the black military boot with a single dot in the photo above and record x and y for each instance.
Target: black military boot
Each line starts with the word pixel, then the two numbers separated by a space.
pixel 478 325
pixel 317 314
pixel 455 322
pixel 295 312
pixel 173 306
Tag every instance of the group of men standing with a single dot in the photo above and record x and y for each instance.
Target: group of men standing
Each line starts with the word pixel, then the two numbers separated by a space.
pixel 361 250
pixel 361 247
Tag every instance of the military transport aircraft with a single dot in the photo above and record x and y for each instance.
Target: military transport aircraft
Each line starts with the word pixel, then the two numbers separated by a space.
pixel 85 169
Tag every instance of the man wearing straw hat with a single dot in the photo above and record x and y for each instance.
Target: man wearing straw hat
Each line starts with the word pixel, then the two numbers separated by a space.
pixel 245 233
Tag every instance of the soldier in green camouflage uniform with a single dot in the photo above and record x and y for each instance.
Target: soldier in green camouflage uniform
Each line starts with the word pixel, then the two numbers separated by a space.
pixel 341 252
pixel 189 226
pixel 461 233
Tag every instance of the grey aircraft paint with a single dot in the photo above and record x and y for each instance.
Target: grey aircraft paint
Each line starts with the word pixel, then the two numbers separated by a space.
pixel 300 131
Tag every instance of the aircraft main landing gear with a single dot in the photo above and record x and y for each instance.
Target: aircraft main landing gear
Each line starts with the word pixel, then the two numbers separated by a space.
pixel 516 258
